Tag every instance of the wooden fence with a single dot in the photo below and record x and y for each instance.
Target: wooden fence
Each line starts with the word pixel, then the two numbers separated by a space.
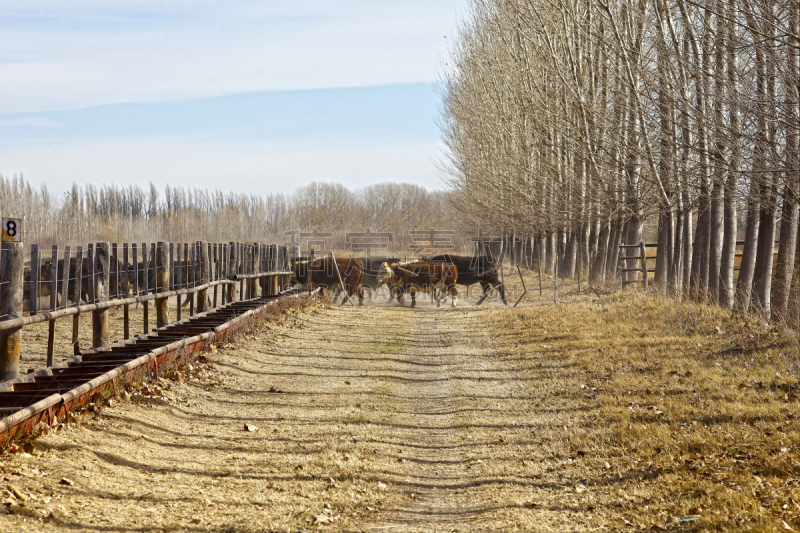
pixel 112 276
pixel 640 257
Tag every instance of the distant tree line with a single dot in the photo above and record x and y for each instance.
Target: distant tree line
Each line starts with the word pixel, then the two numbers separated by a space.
pixel 576 122
pixel 135 214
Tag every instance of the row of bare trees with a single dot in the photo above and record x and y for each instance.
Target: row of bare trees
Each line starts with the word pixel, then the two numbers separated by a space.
pixel 132 213
pixel 580 120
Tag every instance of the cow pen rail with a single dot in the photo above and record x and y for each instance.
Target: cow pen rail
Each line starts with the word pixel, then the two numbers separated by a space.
pixel 49 393
pixel 104 280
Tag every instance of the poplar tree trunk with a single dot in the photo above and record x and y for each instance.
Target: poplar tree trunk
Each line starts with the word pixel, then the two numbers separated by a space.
pixel 727 294
pixel 747 266
pixel 599 270
pixel 550 257
pixel 570 253
pixel 665 246
pixel 787 250
pixel 687 245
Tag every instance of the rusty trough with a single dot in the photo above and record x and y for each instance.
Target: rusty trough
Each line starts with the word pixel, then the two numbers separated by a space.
pixel 51 393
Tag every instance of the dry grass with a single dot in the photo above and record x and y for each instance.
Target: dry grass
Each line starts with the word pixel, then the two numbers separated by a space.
pixel 685 410
pixel 616 412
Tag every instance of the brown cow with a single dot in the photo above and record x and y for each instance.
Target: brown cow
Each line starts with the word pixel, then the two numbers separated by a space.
pixel 420 276
pixel 321 272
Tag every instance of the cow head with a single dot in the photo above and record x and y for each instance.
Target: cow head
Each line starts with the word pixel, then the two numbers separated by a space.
pixel 385 274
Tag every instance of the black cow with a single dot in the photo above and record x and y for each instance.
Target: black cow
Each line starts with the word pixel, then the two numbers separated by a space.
pixel 475 269
pixel 322 272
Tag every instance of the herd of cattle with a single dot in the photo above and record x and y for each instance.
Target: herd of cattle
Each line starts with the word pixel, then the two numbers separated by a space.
pixel 437 275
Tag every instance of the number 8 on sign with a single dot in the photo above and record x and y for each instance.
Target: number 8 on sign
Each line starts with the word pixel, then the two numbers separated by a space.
pixel 12 230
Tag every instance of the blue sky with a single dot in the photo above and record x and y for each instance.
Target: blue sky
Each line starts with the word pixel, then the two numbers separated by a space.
pixel 250 95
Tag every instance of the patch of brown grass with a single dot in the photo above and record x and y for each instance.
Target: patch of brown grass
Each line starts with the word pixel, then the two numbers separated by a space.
pixel 686 410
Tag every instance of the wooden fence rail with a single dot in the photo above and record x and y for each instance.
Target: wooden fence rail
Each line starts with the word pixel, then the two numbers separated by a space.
pixel 103 281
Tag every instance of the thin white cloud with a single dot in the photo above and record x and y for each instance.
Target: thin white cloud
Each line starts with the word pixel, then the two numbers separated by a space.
pixel 58 55
pixel 29 122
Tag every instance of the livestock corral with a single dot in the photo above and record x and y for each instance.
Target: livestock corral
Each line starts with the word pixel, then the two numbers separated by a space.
pixel 269 407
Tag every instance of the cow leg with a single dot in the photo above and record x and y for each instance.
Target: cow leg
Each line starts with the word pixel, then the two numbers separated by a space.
pixel 400 297
pixel 486 289
pixel 502 289
pixel 435 294
pixel 454 293
pixel 414 299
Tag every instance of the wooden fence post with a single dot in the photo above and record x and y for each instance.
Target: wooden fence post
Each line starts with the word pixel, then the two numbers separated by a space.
pixel 146 289
pixel 192 276
pixel 215 276
pixel 114 286
pixel 186 268
pixel 162 283
pixel 283 266
pixel 231 271
pixel 257 269
pixel 34 303
pixel 264 265
pixel 101 281
pixel 223 272
pixel 126 312
pixel 76 296
pixel 271 263
pixel 172 266
pixel 242 259
pixel 65 277
pixel 211 267
pixel 11 274
pixel 205 277
pixel 246 263
pixel 90 272
pixel 178 278
pixel 643 252
pixel 51 324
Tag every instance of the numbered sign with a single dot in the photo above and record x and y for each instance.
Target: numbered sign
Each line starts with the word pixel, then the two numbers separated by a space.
pixel 12 230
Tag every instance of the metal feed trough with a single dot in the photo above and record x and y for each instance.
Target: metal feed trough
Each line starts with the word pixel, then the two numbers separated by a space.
pixel 53 392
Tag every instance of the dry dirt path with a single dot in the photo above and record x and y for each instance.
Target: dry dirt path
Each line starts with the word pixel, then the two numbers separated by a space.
pixel 363 419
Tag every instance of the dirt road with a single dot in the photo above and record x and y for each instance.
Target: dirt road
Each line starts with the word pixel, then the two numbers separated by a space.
pixel 601 414
pixel 354 419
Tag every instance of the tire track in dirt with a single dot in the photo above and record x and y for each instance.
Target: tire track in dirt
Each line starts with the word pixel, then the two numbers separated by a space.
pixel 433 450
